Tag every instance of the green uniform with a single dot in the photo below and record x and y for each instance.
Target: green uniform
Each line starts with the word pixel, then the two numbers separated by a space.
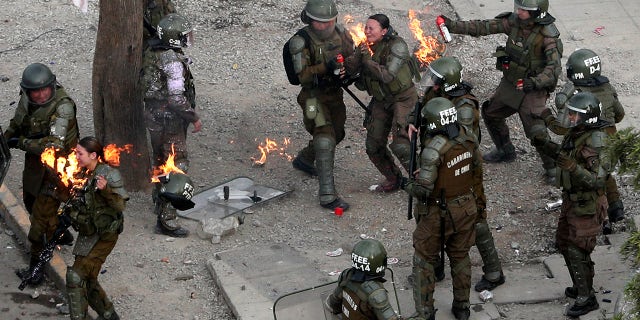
pixel 450 169
pixel 321 101
pixel 40 126
pixel 387 76
pixel 98 223
pixel 532 53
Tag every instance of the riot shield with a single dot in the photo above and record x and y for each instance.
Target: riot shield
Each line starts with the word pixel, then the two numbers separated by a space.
pixel 5 156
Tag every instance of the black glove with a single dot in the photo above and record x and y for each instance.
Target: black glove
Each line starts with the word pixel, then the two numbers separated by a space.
pixel 528 85
pixel 566 163
pixel 13 143
pixel 447 22
pixel 404 181
pixel 332 65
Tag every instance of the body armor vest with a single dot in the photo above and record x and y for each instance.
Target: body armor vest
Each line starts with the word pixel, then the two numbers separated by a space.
pixel 354 303
pixel 321 51
pixel 40 120
pixel 402 81
pixel 526 54
pixel 455 172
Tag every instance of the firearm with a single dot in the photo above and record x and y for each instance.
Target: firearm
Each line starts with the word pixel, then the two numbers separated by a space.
pixel 414 148
pixel 64 222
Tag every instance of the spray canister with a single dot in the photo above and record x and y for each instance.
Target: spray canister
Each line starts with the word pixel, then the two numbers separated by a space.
pixel 444 31
pixel 340 63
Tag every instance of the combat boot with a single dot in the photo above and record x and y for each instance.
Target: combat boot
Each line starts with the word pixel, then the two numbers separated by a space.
pixel 584 307
pixel 485 284
pixel 391 184
pixel 505 154
pixel 179 232
pixel 491 265
pixel 337 203
pixel 300 164
pixel 24 273
pixel 616 211
pixel 66 239
pixel 461 313
pixel 167 222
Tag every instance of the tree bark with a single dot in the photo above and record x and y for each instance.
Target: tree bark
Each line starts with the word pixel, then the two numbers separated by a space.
pixel 117 97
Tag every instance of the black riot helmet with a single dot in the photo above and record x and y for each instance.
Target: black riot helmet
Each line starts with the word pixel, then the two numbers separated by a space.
pixel 37 76
pixel 537 8
pixel 583 65
pixel 439 114
pixel 582 109
pixel 175 31
pixel 370 257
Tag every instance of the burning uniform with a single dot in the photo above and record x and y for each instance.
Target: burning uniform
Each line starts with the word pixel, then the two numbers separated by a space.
pixel 97 216
pixel 447 207
pixel 314 50
pixel 387 75
pixel 444 79
pixel 169 105
pixel 530 65
pixel 45 116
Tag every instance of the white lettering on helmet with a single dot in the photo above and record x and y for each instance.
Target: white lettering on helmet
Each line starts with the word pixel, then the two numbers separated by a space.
pixel 591 61
pixel 448 116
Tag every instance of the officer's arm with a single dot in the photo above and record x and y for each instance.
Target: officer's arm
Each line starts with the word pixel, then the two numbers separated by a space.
pixel 299 55
pixel 553 52
pixel 114 192
pixel 618 109
pixel 177 99
pixel 593 173
pixel 398 57
pixel 379 303
pixel 477 28
pixel 430 160
pixel 62 135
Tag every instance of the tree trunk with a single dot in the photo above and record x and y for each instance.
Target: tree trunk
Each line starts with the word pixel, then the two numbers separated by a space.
pixel 117 97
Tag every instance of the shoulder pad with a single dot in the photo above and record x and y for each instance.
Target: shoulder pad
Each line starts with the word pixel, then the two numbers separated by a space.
pixel 344 277
pixel 550 31
pixel 296 44
pixel 598 139
pixel 546 19
pixel 66 109
pixel 399 48
pixel 465 114
pixel 370 287
pixel 437 142
pixel 504 15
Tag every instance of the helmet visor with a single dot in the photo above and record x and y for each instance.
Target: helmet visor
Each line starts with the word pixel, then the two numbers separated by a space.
pixel 430 79
pixel 570 117
pixel 187 39
pixel 522 6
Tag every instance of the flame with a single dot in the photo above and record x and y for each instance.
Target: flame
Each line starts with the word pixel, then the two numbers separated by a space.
pixel 112 153
pixel 167 167
pixel 429 48
pixel 357 32
pixel 269 146
pixel 66 168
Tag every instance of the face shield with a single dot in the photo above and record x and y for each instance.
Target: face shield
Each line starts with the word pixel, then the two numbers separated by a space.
pixel 571 117
pixel 187 39
pixel 430 78
pixel 522 6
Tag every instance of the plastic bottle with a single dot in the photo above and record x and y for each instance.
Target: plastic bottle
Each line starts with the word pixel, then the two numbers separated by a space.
pixel 444 31
pixel 340 62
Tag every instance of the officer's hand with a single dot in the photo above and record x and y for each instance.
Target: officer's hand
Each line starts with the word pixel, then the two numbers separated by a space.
pixel 566 163
pixel 404 181
pixel 13 142
pixel 528 85
pixel 411 129
pixel 365 51
pixel 447 22
pixel 332 64
pixel 197 126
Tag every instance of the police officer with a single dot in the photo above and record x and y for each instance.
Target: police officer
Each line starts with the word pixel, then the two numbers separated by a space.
pixel 444 79
pixel 45 117
pixel 584 169
pixel 169 98
pixel 97 216
pixel 360 293
pixel 314 51
pixel 386 73
pixel 446 189
pixel 584 72
pixel 530 65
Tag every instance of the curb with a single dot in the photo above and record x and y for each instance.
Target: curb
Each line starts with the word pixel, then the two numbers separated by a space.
pixel 17 218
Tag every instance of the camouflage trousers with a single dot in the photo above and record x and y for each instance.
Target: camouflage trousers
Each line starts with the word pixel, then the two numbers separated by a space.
pixel 44 221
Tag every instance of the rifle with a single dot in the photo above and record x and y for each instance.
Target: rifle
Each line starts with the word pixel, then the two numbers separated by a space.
pixel 64 222
pixel 414 148
pixel 360 103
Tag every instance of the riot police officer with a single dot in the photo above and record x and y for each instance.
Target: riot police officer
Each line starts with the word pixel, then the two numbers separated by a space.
pixel 584 69
pixel 387 70
pixel 584 169
pixel 360 293
pixel 530 65
pixel 169 98
pixel 97 216
pixel 444 79
pixel 314 51
pixel 45 117
pixel 446 188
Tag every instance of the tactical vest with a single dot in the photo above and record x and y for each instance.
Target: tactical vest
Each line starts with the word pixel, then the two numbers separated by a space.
pixel 98 206
pixel 354 302
pixel 39 121
pixel 155 79
pixel 455 175
pixel 403 80
pixel 526 55
pixel 321 51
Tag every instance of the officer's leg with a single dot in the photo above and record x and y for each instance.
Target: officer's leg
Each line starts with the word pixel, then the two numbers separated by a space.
pixel 325 151
pixel 424 286
pixel 494 114
pixel 530 114
pixel 44 221
pixel 100 302
pixel 400 144
pixel 582 269
pixel 461 275
pixel 376 146
pixel 306 157
pixel 167 222
pixel 77 295
pixel 491 265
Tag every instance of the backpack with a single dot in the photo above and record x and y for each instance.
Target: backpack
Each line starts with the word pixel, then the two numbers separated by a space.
pixel 286 58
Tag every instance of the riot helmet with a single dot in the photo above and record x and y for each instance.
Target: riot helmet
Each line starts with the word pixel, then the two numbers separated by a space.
pixel 582 65
pixel 437 114
pixel 37 76
pixel 319 10
pixel 446 73
pixel 583 108
pixel 177 188
pixel 369 257
pixel 537 8
pixel 175 31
